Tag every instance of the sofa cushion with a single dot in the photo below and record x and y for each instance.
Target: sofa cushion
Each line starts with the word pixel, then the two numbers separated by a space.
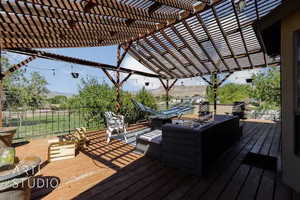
pixel 153 136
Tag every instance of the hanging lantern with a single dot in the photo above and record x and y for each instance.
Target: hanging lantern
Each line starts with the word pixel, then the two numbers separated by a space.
pixel 75 74
pixel 249 80
pixel 240 5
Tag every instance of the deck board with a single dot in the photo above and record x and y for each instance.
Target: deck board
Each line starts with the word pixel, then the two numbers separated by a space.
pixel 237 176
pixel 115 171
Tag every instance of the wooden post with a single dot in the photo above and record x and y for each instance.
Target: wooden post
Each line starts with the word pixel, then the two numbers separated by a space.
pixel 168 87
pixel 167 95
pixel 215 88
pixel 117 82
pixel 1 88
pixel 118 86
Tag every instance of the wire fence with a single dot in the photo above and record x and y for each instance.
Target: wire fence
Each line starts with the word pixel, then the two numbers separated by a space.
pixel 46 122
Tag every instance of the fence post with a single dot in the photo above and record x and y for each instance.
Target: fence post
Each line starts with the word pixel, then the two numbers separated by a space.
pixel 69 121
pixel 58 121
pixel 32 123
pixel 52 121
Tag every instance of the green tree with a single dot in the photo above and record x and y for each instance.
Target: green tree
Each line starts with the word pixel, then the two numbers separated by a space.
pixel 21 90
pixel 59 99
pixel 146 98
pixel 265 89
pixel 36 87
pixel 228 93
pixel 232 92
pixel 99 98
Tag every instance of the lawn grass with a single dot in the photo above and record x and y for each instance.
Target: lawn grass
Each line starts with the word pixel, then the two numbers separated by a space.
pixel 43 124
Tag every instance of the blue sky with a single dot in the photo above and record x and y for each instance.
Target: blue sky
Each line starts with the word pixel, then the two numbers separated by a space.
pixel 63 82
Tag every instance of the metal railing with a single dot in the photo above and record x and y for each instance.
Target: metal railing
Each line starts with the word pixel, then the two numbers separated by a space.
pixel 47 122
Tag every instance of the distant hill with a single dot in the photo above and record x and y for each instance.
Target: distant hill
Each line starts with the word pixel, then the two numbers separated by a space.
pixel 182 91
pixel 52 94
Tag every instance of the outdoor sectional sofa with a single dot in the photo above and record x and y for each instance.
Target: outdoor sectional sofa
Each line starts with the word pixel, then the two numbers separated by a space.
pixel 194 150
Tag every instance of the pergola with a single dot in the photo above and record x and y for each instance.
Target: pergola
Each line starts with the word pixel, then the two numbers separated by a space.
pixel 173 38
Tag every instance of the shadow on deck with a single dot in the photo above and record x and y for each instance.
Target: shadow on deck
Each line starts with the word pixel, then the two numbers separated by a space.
pixel 114 171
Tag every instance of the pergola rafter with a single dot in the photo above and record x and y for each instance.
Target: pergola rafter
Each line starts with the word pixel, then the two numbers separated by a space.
pixel 173 38
pixel 160 65
pixel 212 41
pixel 179 50
pixel 161 44
pixel 164 57
pixel 225 38
pixel 241 32
pixel 145 62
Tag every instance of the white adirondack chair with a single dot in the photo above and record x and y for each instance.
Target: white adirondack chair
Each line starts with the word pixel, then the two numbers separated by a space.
pixel 115 125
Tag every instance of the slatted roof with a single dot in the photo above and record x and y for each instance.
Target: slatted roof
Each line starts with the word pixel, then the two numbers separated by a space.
pixel 173 38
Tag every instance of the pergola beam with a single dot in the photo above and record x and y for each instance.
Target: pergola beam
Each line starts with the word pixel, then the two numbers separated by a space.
pixel 19 65
pixel 241 32
pixel 9 72
pixel 167 88
pixel 207 81
pixel 125 79
pixel 259 37
pixel 224 79
pixel 121 57
pixel 51 56
pixel 109 76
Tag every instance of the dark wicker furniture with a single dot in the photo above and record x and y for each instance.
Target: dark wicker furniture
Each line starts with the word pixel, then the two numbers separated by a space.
pixel 194 150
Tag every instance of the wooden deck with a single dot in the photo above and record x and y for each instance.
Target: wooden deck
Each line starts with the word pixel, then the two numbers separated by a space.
pixel 114 171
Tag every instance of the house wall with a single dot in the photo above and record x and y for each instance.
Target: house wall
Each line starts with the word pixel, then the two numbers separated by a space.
pixel 290 161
